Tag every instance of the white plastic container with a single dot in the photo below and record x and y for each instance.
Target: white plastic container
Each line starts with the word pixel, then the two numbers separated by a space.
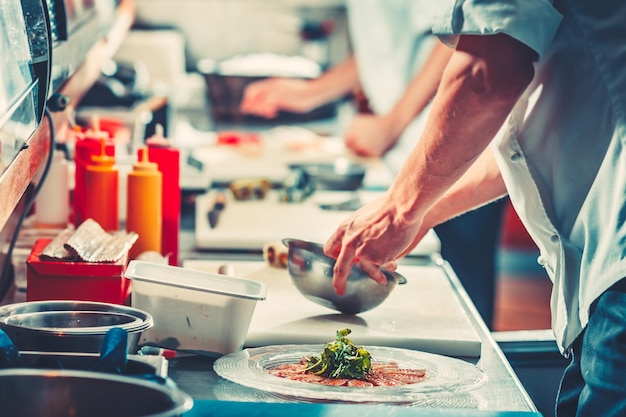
pixel 194 311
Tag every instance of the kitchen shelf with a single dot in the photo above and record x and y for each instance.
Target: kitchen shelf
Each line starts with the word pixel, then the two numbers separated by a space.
pixel 29 162
pixel 27 167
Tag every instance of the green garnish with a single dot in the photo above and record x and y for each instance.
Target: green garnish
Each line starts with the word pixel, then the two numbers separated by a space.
pixel 341 359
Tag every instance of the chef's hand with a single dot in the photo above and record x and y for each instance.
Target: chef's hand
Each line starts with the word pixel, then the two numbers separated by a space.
pixel 267 97
pixel 369 135
pixel 375 235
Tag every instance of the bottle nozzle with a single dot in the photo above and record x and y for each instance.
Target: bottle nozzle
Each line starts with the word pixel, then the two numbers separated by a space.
pixel 143 163
pixel 158 139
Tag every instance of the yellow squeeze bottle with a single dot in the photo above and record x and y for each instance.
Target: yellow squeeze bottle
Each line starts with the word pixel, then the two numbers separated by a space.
pixel 144 206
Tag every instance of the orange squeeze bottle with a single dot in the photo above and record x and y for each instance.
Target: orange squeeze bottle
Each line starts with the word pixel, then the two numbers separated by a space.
pixel 144 206
pixel 101 190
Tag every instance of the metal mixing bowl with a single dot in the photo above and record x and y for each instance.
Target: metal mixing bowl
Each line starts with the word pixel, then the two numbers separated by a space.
pixel 340 175
pixel 312 272
pixel 70 326
pixel 61 393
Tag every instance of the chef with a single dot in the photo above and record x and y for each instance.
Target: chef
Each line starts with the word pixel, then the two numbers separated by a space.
pixel 550 80
pixel 398 63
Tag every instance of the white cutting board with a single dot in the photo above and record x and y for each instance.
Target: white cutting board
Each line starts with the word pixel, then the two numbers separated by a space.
pixel 248 225
pixel 424 314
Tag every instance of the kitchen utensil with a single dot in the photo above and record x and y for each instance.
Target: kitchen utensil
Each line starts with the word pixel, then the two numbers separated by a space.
pixel 59 393
pixel 70 326
pixel 194 311
pixel 351 204
pixel 340 175
pixel 214 214
pixel 135 365
pixel 312 272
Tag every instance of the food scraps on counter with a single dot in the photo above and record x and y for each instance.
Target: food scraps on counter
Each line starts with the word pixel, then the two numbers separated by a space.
pixel 250 189
pixel 235 138
pixel 343 363
pixel 275 254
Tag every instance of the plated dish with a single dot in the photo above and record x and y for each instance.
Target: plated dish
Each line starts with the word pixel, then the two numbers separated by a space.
pixel 446 375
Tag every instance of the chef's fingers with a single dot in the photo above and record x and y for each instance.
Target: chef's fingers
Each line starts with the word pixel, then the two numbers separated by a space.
pixel 374 272
pixel 342 269
pixel 390 266
pixel 332 247
pixel 334 244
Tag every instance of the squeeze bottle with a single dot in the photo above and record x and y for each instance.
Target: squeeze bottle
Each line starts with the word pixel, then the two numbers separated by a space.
pixel 143 206
pixel 88 144
pixel 101 190
pixel 52 207
pixel 167 159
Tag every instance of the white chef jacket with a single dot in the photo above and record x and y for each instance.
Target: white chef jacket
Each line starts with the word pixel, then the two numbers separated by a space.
pixel 391 42
pixel 561 152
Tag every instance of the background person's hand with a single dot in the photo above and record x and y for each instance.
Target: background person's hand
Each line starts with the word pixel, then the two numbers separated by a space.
pixel 375 235
pixel 369 135
pixel 266 98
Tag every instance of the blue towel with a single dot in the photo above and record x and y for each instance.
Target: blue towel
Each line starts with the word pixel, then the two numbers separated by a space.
pixel 9 354
pixel 113 357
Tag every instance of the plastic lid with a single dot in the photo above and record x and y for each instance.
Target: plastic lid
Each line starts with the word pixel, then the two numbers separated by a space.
pixel 144 164
pixel 195 280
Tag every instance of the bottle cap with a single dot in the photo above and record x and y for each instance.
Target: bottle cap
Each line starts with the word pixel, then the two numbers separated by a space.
pixel 144 164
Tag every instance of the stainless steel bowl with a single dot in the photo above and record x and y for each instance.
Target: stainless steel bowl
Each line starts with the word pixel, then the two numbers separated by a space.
pixel 135 365
pixel 29 392
pixel 312 272
pixel 340 175
pixel 70 326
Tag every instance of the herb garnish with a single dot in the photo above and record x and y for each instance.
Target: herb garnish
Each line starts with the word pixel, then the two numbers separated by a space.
pixel 341 359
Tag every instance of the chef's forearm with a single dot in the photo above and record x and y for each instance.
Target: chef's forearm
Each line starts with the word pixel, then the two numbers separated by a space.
pixel 480 86
pixel 338 81
pixel 480 185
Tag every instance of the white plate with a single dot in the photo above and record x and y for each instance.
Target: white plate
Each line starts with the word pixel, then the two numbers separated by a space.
pixel 445 375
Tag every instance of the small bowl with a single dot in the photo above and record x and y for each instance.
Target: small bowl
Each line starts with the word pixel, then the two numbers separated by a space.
pixel 312 272
pixel 70 326
pixel 340 175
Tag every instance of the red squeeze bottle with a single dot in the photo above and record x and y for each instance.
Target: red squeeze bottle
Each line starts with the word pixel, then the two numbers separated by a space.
pixel 167 159
pixel 88 145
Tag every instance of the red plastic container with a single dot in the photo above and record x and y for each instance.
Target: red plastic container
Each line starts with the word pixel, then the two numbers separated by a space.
pixel 83 281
